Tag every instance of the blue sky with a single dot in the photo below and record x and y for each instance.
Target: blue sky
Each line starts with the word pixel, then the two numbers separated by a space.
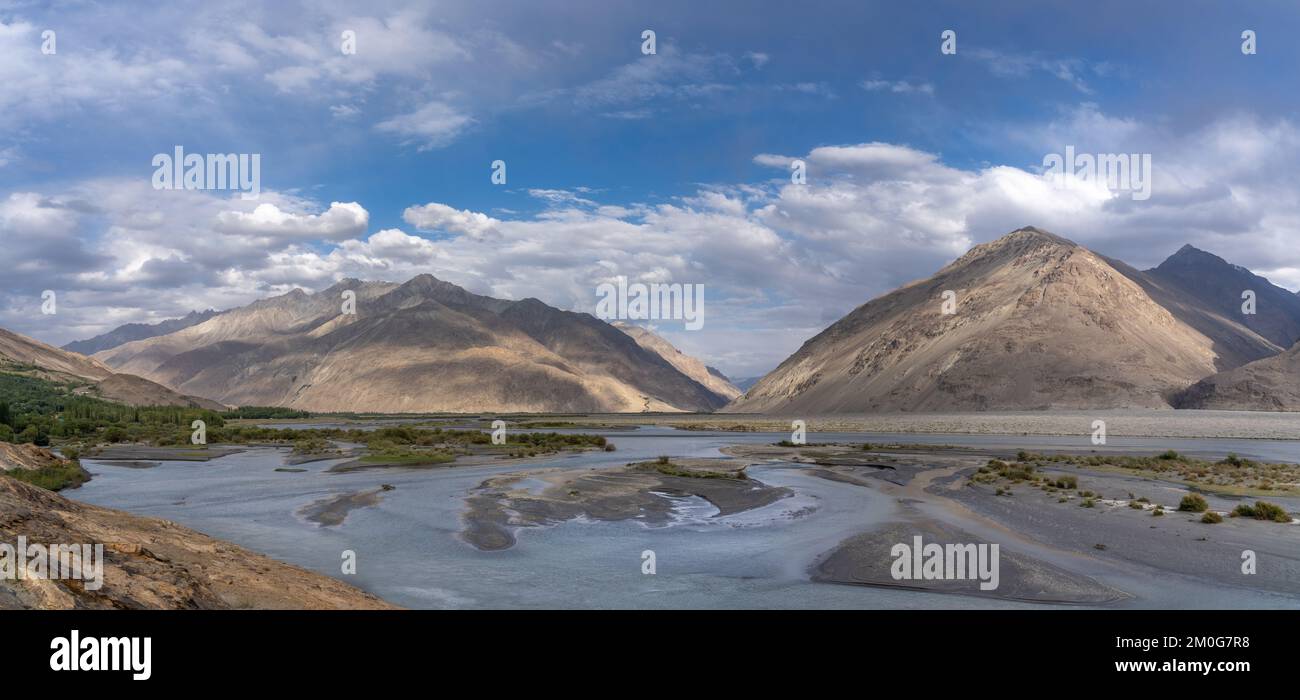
pixel 660 168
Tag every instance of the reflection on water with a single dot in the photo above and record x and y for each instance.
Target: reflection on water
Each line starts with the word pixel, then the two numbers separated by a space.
pixel 409 552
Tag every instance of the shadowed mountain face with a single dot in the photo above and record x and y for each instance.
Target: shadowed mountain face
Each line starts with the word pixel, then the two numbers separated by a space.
pixel 712 379
pixel 1270 384
pixel 1206 292
pixel 425 345
pixel 1038 322
pixel 137 331
pixel 22 355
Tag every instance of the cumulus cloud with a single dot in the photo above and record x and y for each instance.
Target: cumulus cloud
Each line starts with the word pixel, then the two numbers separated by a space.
pixel 440 217
pixel 340 221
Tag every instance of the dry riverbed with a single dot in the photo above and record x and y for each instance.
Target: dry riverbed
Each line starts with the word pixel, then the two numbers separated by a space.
pixel 1057 533
pixel 640 491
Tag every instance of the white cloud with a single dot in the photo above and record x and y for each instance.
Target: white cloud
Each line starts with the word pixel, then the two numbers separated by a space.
pixel 342 220
pixel 431 126
pixel 38 87
pixel 1018 65
pixel 440 217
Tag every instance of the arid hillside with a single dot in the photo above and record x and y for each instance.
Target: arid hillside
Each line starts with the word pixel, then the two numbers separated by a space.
pixel 22 355
pixel 425 345
pixel 1036 322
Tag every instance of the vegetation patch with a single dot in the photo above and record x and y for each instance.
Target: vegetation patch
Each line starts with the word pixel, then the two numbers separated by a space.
pixel 1193 503
pixel 69 474
pixel 667 467
pixel 1231 475
pixel 1262 510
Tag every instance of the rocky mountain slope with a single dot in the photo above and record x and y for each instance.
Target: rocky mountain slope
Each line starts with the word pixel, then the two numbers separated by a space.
pixel 1039 322
pixel 1205 292
pixel 425 345
pixel 154 564
pixel 1218 285
pixel 138 331
pixel 27 457
pixel 710 378
pixel 1270 384
pixel 22 355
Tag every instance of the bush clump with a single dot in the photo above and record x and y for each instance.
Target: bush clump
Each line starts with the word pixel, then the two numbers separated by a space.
pixel 1211 518
pixel 1262 510
pixel 1193 503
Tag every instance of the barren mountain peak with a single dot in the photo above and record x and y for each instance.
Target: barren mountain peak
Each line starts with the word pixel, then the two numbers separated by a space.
pixel 425 344
pixel 1191 255
pixel 1036 321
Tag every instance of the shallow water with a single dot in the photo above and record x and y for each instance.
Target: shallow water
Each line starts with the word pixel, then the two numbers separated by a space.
pixel 409 552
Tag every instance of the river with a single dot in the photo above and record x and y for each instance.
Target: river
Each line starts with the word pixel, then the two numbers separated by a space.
pixel 408 550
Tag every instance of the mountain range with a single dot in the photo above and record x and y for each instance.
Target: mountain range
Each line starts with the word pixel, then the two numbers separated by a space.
pixel 425 345
pixel 1029 321
pixel 138 331
pixel 1039 322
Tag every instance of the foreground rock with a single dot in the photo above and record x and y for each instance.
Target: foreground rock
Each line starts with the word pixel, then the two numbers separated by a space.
pixel 27 457
pixel 154 564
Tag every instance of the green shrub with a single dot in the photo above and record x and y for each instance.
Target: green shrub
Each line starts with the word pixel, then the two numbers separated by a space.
pixel 68 474
pixel 1211 518
pixel 1193 503
pixel 1262 510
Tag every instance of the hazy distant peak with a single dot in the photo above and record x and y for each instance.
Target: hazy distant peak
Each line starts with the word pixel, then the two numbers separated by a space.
pixel 138 331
